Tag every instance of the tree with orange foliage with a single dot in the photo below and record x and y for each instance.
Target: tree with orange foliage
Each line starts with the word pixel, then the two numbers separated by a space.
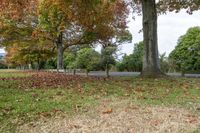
pixel 73 23
pixel 17 9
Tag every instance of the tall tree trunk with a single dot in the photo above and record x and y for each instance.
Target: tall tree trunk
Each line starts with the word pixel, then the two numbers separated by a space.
pixel 38 64
pixel 74 71
pixel 87 73
pixel 182 73
pixel 60 54
pixel 151 65
pixel 107 71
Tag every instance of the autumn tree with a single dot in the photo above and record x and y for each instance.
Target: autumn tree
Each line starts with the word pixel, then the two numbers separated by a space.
pixel 58 23
pixel 17 9
pixel 66 23
pixel 22 48
pixel 112 32
pixel 27 54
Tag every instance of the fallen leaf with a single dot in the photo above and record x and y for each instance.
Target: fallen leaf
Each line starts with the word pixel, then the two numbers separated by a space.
pixel 198 108
pixel 108 111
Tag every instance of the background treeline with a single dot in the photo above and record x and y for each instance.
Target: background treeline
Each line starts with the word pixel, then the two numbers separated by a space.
pixel 185 58
pixel 63 35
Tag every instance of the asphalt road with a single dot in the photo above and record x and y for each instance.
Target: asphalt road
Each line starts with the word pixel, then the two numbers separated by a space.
pixel 129 74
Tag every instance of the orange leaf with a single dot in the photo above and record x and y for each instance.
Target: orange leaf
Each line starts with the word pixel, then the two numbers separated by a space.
pixel 108 111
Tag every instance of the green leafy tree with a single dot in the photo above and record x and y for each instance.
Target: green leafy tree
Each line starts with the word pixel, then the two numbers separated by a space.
pixel 187 53
pixel 70 60
pixel 70 56
pixel 133 62
pixel 50 63
pixel 110 46
pixel 87 59
pixel 107 58
pixel 2 62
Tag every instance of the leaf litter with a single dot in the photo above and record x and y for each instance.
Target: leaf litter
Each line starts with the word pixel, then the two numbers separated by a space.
pixel 120 117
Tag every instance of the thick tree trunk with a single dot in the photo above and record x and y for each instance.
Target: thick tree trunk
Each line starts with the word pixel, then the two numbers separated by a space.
pixel 151 66
pixel 60 54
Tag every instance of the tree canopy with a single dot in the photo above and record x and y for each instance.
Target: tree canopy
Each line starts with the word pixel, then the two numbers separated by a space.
pixel 133 62
pixel 59 24
pixel 187 52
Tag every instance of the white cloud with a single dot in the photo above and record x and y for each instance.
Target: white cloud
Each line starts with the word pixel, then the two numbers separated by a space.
pixel 170 27
pixel 2 51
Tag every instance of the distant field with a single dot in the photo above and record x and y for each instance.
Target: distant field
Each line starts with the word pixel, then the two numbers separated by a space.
pixel 36 102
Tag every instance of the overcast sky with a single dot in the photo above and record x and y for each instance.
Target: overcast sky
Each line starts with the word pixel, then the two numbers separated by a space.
pixel 170 27
pixel 1 51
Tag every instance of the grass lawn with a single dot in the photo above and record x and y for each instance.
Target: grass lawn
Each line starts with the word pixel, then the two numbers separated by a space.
pixel 27 97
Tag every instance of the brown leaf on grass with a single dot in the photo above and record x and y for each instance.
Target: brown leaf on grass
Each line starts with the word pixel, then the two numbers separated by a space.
pixel 139 90
pixel 191 119
pixel 44 80
pixel 108 111
pixel 7 110
pixel 156 122
pixel 142 97
pixel 126 94
pixel 34 95
pixel 97 97
pixel 131 108
pixel 44 114
pixel 77 108
pixel 198 109
pixel 59 93
pixel 57 111
pixel 155 98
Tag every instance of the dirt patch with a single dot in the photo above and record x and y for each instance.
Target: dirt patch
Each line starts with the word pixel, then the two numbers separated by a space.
pixel 120 117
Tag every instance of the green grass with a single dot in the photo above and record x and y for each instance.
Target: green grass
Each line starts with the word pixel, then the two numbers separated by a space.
pixel 19 106
pixel 24 106
pixel 12 74
pixel 197 130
